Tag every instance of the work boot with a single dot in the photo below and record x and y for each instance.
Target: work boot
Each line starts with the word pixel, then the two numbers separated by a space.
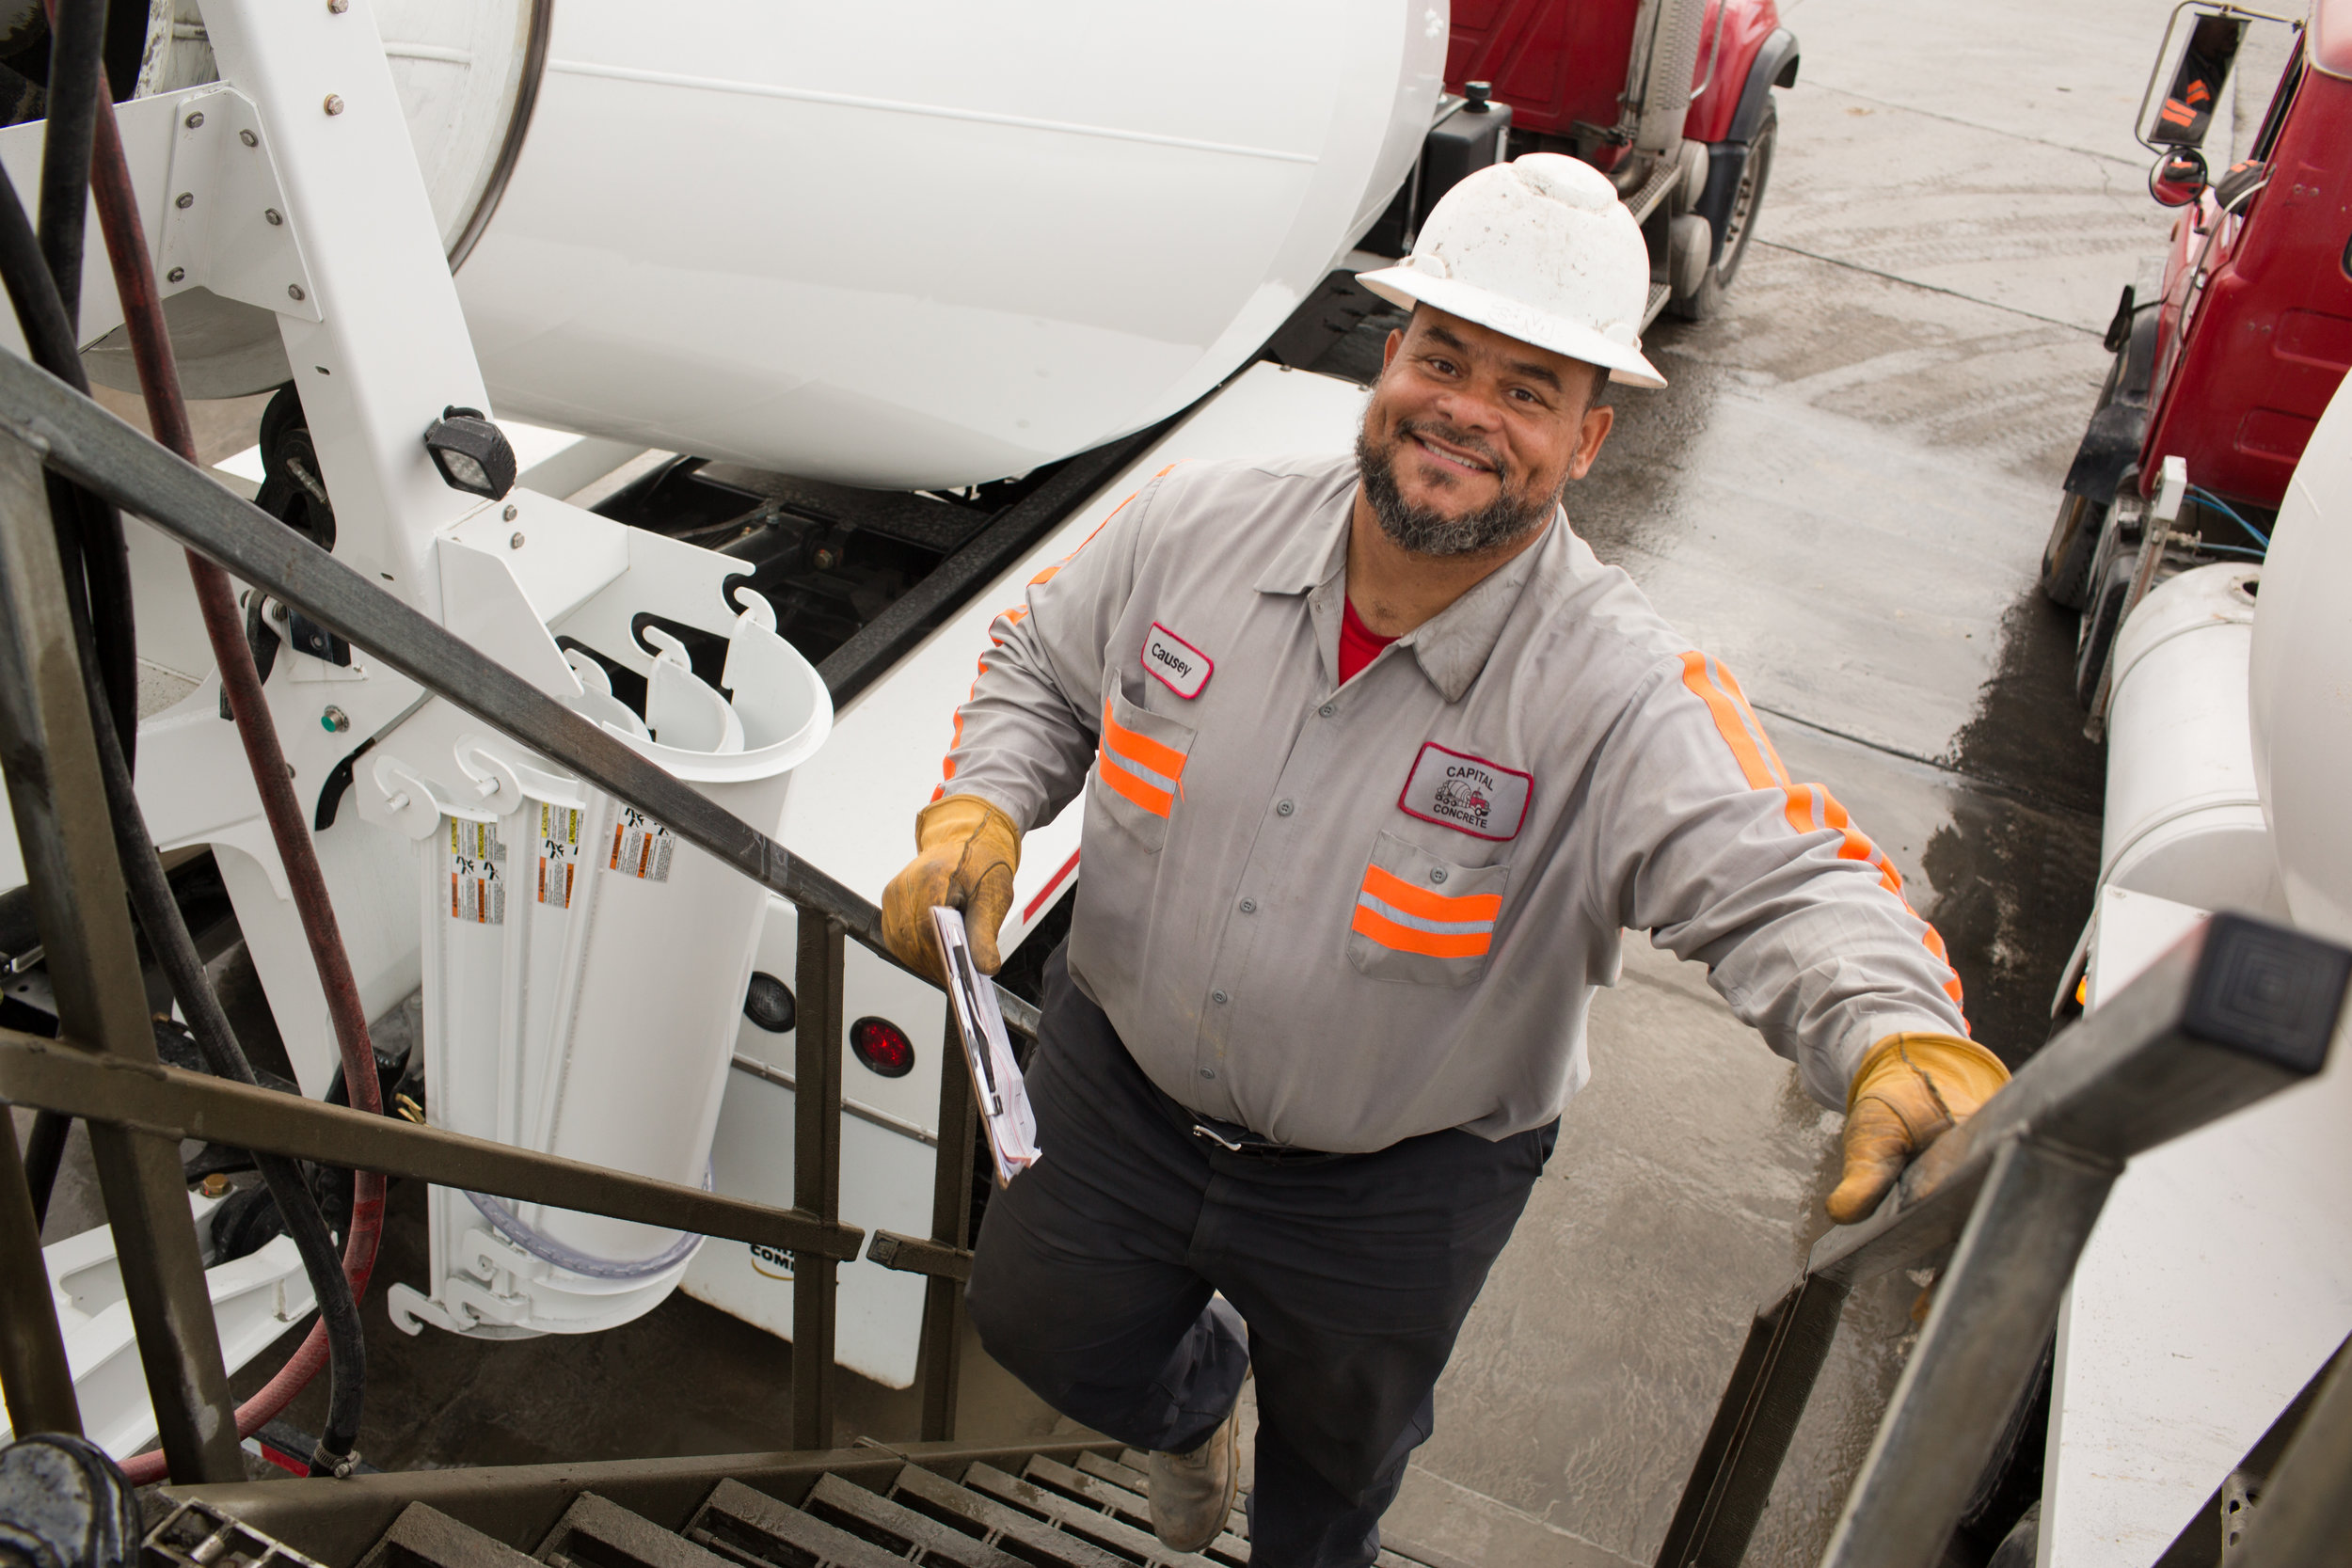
pixel 1193 1492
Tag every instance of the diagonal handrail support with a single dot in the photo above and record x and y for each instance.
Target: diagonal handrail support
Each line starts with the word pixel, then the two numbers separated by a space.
pixel 2237 1011
pixel 75 436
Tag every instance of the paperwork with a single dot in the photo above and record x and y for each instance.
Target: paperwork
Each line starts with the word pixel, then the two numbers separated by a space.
pixel 996 1086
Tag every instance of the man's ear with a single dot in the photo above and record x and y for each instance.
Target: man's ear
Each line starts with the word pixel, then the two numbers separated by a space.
pixel 1387 350
pixel 1596 425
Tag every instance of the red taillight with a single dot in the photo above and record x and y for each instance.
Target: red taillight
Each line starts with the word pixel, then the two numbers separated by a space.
pixel 882 1046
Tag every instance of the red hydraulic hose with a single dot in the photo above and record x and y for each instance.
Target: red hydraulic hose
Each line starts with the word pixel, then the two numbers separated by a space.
pixel 159 381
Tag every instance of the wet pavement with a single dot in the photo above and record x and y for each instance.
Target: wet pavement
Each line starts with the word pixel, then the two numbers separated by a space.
pixel 1843 494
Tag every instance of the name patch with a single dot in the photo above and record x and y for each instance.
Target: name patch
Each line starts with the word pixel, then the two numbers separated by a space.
pixel 1468 794
pixel 1176 663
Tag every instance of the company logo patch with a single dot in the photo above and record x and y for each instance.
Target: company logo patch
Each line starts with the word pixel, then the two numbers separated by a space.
pixel 1468 794
pixel 1176 663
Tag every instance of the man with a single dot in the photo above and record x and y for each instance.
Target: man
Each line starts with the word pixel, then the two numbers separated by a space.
pixel 1379 760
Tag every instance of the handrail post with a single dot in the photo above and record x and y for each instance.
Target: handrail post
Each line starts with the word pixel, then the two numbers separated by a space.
pixel 1994 1305
pixel 942 1354
pixel 816 1169
pixel 59 798
pixel 33 1369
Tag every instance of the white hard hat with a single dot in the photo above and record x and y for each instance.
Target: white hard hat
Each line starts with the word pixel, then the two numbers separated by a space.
pixel 1539 249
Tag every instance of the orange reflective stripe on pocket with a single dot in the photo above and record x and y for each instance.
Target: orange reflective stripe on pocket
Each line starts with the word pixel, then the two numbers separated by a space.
pixel 1139 768
pixel 1407 919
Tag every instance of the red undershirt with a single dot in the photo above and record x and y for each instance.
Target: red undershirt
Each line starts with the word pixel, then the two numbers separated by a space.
pixel 1358 643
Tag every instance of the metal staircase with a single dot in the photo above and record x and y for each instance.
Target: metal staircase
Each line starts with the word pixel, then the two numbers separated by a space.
pixel 1076 1504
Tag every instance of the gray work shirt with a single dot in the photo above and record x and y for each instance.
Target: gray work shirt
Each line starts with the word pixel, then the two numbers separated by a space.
pixel 1343 915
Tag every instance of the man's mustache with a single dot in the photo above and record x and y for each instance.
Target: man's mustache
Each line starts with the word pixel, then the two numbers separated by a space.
pixel 1406 428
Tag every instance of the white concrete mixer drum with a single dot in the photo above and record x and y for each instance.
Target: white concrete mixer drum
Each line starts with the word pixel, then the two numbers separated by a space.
pixel 2301 680
pixel 924 244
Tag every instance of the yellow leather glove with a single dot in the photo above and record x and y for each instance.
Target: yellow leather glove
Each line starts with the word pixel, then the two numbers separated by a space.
pixel 1909 1090
pixel 967 853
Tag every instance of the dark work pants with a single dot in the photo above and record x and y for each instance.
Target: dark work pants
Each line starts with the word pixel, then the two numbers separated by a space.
pixel 1094 1271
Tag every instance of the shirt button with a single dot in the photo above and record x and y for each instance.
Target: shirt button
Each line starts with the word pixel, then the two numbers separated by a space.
pixel 1249 905
pixel 1284 808
pixel 1437 873
pixel 1217 997
pixel 1208 1072
pixel 1327 709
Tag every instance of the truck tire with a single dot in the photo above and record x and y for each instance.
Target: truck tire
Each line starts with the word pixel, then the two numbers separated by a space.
pixel 2066 559
pixel 1739 226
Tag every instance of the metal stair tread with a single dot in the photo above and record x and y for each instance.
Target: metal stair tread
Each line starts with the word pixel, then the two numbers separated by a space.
pixel 423 1534
pixel 740 1511
pixel 1114 1533
pixel 856 1510
pixel 936 1494
pixel 1128 1473
pixel 1132 1462
pixel 621 1539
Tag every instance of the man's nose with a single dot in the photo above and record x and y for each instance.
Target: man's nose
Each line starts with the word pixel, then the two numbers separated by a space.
pixel 1471 408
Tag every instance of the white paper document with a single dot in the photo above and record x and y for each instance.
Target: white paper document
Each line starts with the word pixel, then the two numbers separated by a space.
pixel 996 1086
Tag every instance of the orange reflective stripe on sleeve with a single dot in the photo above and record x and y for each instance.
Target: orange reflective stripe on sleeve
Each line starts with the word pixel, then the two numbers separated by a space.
pixel 1409 919
pixel 1810 807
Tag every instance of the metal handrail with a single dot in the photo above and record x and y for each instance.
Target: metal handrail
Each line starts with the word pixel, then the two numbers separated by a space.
pixel 127 1094
pixel 75 436
pixel 2238 1010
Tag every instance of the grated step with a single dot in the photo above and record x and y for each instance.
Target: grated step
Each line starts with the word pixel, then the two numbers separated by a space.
pixel 1024 1536
pixel 597 1532
pixel 1230 1546
pixel 424 1537
pixel 754 1529
pixel 1127 1473
pixel 898 1529
pixel 1128 1470
pixel 1114 1535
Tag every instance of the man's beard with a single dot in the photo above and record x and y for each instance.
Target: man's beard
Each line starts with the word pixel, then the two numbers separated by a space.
pixel 1425 531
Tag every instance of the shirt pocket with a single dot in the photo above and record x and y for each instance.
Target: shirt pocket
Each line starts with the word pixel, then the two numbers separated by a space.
pixel 1424 919
pixel 1139 769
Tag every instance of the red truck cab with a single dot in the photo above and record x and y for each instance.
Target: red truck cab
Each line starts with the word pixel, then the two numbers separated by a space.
pixel 1577 75
pixel 2230 366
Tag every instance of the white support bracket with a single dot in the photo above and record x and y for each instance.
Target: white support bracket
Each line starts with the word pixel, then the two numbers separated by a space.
pixel 227 224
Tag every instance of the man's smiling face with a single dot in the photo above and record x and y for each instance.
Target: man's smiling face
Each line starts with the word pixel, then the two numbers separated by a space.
pixel 1469 435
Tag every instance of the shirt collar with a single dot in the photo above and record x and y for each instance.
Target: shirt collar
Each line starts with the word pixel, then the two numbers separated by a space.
pixel 1452 645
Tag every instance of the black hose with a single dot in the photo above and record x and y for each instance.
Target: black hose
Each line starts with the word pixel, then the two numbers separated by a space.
pixel 90 542
pixel 77 48
pixel 42 319
pixel 167 935
pixel 79 519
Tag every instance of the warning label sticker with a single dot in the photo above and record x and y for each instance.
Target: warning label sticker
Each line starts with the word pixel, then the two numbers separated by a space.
pixel 559 853
pixel 477 873
pixel 642 847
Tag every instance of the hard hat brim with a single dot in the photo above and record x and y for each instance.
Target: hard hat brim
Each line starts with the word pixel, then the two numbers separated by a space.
pixel 1407 286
